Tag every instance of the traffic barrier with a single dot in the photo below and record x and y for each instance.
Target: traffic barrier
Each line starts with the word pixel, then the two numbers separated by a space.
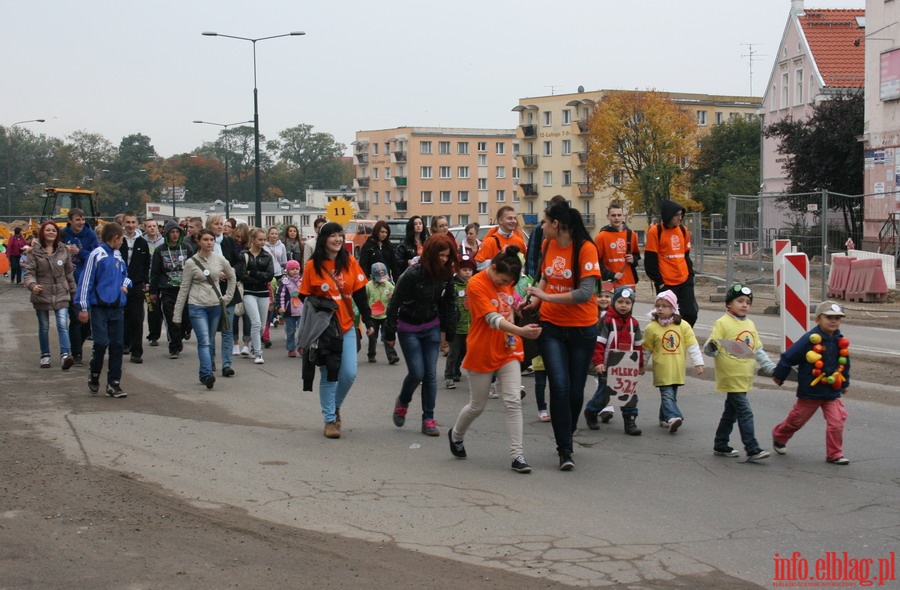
pixel 747 248
pixel 839 275
pixel 795 307
pixel 866 282
pixel 779 249
pixel 888 264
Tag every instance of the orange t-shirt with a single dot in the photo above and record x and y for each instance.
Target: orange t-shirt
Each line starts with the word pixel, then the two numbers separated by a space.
pixel 670 247
pixel 490 248
pixel 612 246
pixel 558 273
pixel 347 283
pixel 488 348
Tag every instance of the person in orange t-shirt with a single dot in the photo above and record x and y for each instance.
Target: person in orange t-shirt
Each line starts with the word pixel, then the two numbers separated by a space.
pixel 569 270
pixel 495 336
pixel 617 248
pixel 333 273
pixel 506 233
pixel 667 259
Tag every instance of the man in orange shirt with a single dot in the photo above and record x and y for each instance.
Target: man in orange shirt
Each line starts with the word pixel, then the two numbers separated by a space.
pixel 617 247
pixel 506 234
pixel 667 259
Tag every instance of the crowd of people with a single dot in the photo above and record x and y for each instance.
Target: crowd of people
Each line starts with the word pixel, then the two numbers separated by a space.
pixel 556 305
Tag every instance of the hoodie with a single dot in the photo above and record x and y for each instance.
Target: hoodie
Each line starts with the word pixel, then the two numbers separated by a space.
pixel 167 263
pixel 86 240
pixel 667 254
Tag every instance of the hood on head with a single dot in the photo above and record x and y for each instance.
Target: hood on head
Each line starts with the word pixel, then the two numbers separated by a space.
pixel 170 225
pixel 669 209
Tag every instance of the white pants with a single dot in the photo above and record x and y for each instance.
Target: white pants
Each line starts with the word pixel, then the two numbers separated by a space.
pixel 509 382
pixel 256 309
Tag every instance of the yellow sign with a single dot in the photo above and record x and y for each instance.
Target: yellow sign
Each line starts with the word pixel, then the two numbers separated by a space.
pixel 340 211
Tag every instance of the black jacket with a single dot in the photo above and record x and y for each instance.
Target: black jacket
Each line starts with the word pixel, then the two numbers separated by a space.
pixel 255 272
pixel 167 262
pixel 138 261
pixel 232 254
pixel 373 251
pixel 418 299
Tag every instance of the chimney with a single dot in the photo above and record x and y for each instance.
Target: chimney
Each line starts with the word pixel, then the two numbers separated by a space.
pixel 796 7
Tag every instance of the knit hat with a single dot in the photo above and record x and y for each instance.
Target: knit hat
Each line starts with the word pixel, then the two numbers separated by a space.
pixel 627 292
pixel 606 287
pixel 736 291
pixel 669 296
pixel 466 261
pixel 292 265
pixel 379 272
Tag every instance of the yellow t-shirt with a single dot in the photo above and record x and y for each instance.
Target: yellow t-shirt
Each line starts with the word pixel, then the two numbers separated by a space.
pixel 734 374
pixel 669 345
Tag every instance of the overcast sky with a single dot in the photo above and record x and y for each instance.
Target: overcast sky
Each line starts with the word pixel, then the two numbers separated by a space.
pixel 120 67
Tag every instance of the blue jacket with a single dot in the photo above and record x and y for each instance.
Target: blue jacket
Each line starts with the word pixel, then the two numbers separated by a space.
pixel 86 240
pixel 796 355
pixel 105 273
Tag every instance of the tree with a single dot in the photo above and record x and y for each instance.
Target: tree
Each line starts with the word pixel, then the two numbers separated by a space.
pixel 312 156
pixel 647 140
pixel 727 163
pixel 823 153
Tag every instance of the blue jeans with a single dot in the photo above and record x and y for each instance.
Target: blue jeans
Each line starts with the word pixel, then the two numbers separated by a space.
pixel 566 352
pixel 420 351
pixel 291 323
pixel 205 321
pixel 108 330
pixel 668 404
pixel 332 393
pixel 62 330
pixel 227 340
pixel 737 409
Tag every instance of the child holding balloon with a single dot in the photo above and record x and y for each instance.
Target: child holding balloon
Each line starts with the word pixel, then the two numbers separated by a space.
pixel 822 357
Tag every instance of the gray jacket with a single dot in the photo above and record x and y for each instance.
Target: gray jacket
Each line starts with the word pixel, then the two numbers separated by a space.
pixel 314 319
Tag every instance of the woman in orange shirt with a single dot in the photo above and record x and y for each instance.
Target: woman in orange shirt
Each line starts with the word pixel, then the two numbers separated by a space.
pixel 333 273
pixel 493 333
pixel 569 270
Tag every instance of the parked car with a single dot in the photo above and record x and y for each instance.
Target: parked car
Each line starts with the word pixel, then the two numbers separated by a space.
pixel 459 232
pixel 356 234
pixel 398 230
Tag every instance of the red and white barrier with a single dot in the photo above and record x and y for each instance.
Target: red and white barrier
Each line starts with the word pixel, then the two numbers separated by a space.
pixel 779 249
pixel 795 307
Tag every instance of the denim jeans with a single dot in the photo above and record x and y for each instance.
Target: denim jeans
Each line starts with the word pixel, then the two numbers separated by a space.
pixel 566 352
pixel 256 309
pixel 108 330
pixel 668 403
pixel 205 321
pixel 737 409
pixel 227 340
pixel 420 351
pixel 291 323
pixel 333 393
pixel 62 330
pixel 600 400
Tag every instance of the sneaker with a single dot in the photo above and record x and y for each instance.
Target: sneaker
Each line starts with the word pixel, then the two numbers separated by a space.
pixel 758 455
pixel 173 354
pixel 78 360
pixel 394 360
pixel 67 361
pixel 448 383
pixel 429 427
pixel 209 381
pixel 94 382
pixel 236 350
pixel 839 461
pixel 565 462
pixel 522 392
pixel 725 452
pixel 258 360
pixel 372 359
pixel 543 416
pixel 457 449
pixel 606 414
pixel 399 414
pixel 591 419
pixel 527 372
pixel 292 354
pixel 779 448
pixel 154 343
pixel 492 392
pixel 663 424
pixel 45 362
pixel 332 431
pixel 113 390
pixel 136 359
pixel 267 344
pixel 675 424
pixel 521 465
pixel 227 372
pixel 245 351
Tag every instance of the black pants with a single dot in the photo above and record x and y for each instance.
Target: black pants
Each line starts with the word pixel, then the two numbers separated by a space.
pixel 15 269
pixel 134 320
pixel 455 357
pixel 154 322
pixel 78 332
pixel 174 332
pixel 687 301
pixel 390 351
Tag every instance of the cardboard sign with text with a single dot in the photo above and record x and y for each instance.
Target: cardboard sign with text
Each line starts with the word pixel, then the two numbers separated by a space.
pixel 622 376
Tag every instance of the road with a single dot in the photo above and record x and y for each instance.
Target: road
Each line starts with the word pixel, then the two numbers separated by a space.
pixel 638 512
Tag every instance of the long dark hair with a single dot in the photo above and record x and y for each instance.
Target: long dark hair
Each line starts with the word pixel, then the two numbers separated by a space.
pixel 341 262
pixel 431 261
pixel 507 262
pixel 376 229
pixel 570 220
pixel 287 229
pixel 41 234
pixel 411 233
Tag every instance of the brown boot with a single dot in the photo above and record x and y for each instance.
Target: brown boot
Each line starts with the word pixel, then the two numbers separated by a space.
pixel 332 431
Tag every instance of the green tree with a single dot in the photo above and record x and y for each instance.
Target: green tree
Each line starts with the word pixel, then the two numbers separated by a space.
pixel 727 163
pixel 312 156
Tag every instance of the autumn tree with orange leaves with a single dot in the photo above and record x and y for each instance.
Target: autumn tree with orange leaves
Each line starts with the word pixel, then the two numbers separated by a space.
pixel 639 143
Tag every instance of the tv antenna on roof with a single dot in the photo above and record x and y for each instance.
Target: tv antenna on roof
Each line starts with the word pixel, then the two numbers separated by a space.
pixel 552 88
pixel 753 56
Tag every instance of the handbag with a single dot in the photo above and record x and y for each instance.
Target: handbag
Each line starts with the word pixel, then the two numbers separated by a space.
pixel 224 323
pixel 239 306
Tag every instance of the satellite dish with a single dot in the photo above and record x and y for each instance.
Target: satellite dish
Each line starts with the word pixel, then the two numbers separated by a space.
pixel 580 89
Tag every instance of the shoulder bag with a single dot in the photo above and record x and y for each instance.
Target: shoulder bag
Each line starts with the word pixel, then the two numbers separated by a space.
pixel 224 323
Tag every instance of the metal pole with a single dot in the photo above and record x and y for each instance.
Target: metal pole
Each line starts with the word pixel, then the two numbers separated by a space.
pixel 226 186
pixel 824 279
pixel 732 220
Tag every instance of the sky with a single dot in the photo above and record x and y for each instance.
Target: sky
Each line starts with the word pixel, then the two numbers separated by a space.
pixel 118 68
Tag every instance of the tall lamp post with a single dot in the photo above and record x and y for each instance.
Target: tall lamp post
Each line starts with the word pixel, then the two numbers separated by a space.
pixel 255 107
pixel 9 182
pixel 225 127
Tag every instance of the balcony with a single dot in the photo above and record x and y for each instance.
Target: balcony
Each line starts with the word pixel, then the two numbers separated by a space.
pixel 529 190
pixel 399 157
pixel 589 219
pixel 362 158
pixel 399 181
pixel 362 182
pixel 528 131
pixel 400 206
pixel 531 219
pixel 529 160
pixel 582 158
pixel 585 189
pixel 362 205
pixel 582 126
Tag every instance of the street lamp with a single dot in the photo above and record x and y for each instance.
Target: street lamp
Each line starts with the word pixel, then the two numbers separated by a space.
pixel 9 181
pixel 226 126
pixel 255 107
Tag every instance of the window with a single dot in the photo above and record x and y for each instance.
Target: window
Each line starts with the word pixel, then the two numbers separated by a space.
pixel 426 197
pixel 374 173
pixel 387 148
pixel 749 117
pixel 567 178
pixel 482 184
pixel 443 147
pixel 374 149
pixel 445 171
pixel 387 173
pixel 482 208
pixel 287 219
pixel 567 117
pixel 701 118
pixel 548 148
pixel 463 219
pixel 375 197
pixel 462 197
pixel 617 178
pixel 567 147
pixel 482 159
pixel 270 220
pixel 445 196
pixel 425 172
pixel 516 197
pixel 516 174
pixel 387 196
pixel 304 221
pixel 482 146
pixel 501 196
pixel 501 148
pixel 548 178
pixel 425 147
pixel 501 171
pixel 798 97
pixel 785 89
pixel 718 117
pixel 548 118
pixel 515 149
pixel 462 148
pixel 462 172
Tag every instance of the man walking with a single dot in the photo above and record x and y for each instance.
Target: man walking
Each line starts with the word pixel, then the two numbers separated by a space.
pixel 617 247
pixel 667 259
pixel 136 253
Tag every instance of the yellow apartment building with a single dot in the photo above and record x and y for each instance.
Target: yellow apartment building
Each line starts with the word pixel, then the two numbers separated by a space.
pixel 463 174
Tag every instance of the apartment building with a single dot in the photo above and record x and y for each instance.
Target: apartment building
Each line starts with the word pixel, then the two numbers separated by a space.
pixel 462 174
